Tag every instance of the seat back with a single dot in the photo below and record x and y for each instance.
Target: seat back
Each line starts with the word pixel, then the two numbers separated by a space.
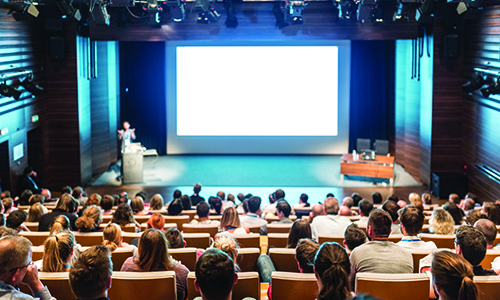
pixel 395 238
pixel 179 220
pixel 57 283
pixel 271 219
pixel 128 228
pixel 278 240
pixel 32 226
pixel 142 218
pixel 279 228
pixel 88 239
pixel 417 255
pixel 186 256
pixel 36 238
pixel 362 144
pixel 119 256
pixel 190 213
pixel 497 240
pixel 201 228
pixel 106 219
pixel 247 240
pixel 254 229
pixel 441 240
pixel 331 238
pixel 129 236
pixel 197 240
pixel 488 286
pixel 37 253
pixel 144 226
pixel 248 285
pixel 247 259
pixel 143 285
pixel 287 285
pixel 284 259
pixel 488 259
pixel 381 147
pixel 393 286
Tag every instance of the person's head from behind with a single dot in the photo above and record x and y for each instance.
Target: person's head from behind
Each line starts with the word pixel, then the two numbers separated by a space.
pixel 90 275
pixel 77 192
pixel 230 197
pixel 471 244
pixel 454 198
pixel 283 209
pixel 221 195
pixel 345 211
pixel 174 208
pixel 15 219
pixel 37 198
pixel 377 198
pixel 379 224
pixel 35 212
pixel 413 197
pixel 215 275
pixel 254 204
pixel 123 215
pixel 25 196
pixel 426 198
pixel 469 205
pixel 58 251
pixel 441 222
pixel 392 208
pixel 4 231
pixel 174 238
pixel 156 221
pixel 91 217
pixel 348 202
pixel 186 202
pixel 279 194
pixel 94 199
pixel 230 218
pixel 301 229
pixel 305 252
pixel 67 203
pixel 197 188
pixel 452 277
pixel 203 210
pixel 455 212
pixel 304 198
pixel 354 237
pixel 229 245
pixel 494 214
pixel 153 251
pixel 156 203
pixel 331 206
pixel 317 210
pixel 15 258
pixel 412 220
pixel 177 194
pixel 107 202
pixel 473 216
pixel 5 194
pixel 332 269
pixel 488 229
pixel 365 207
pixel 137 205
pixel 112 236
pixel 418 204
pixel 472 196
pixel 356 198
pixel 216 204
pixel 59 223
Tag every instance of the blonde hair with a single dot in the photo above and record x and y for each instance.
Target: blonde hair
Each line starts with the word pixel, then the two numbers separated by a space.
pixel 57 249
pixel 59 223
pixel 229 245
pixel 441 222
pixel 91 217
pixel 230 218
pixel 414 197
pixel 35 212
pixel 111 236
pixel 156 203
pixel 137 205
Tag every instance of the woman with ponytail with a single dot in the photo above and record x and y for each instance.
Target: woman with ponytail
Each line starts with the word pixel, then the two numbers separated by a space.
pixel 112 238
pixel 58 252
pixel 332 269
pixel 59 223
pixel 90 219
pixel 452 277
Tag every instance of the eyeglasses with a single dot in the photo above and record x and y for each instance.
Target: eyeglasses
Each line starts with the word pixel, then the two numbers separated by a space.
pixel 30 263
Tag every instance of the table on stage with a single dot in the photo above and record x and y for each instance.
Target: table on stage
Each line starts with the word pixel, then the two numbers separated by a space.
pixel 382 167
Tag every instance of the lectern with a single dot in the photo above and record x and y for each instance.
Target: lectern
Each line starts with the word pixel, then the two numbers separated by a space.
pixel 132 164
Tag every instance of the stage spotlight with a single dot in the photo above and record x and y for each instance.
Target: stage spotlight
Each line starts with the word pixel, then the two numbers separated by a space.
pixel 425 13
pixel 280 16
pixel 492 89
pixel 31 87
pixel 22 10
pixel 98 11
pixel 153 10
pixel 177 11
pixel 207 14
pixel 476 83
pixel 9 91
pixel 346 8
pixel 68 10
pixel 294 10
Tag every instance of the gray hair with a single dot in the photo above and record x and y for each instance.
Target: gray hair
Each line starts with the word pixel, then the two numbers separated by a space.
pixel 14 250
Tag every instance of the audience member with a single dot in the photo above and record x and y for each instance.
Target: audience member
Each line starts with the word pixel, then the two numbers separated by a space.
pixel 216 205
pixel 316 210
pixel 156 221
pixel 123 198
pixel 413 197
pixel 348 202
pixel 332 269
pixel 380 255
pixel 5 194
pixel 94 199
pixel 186 202
pixel 137 206
pixel 364 207
pixel 48 195
pixel 331 223
pixel 418 204
pixel 24 199
pixel 4 231
pixel 107 203
pixel 141 194
pixel 153 256
pixel 90 220
pixel 427 198
pixel 488 229
pixel 345 211
pixel 301 229
pixel 2 220
pixel 452 277
pixel 35 212
pixel 195 198
pixel 67 206
pixel 174 238
pixel 456 213
pixel 16 219
pixel 28 182
pixel 454 198
pixel 471 244
pixel 356 198
pixel 376 198
pixel 16 267
pixel 412 221
pixel 112 238
pixel 472 216
pixel 354 237
pixel 253 216
pixel 78 195
pixel 494 214
pixel 8 205
pixel 230 222
pixel 230 246
pixel 177 194
pixel 441 222
pixel 175 208
pixel 38 199
pixel 58 251
pixel 472 196
pixel 302 202
pixel 90 276
pixel 304 254
pixel 392 208
pixel 226 203
pixel 123 216
pixel 203 212
pixel 156 203
pixel 283 211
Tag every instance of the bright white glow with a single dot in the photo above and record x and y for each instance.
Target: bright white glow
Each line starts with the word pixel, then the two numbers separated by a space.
pixel 257 91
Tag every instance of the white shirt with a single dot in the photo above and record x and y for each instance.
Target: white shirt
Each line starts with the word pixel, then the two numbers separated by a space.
pixel 362 222
pixel 253 220
pixel 329 224
pixel 415 243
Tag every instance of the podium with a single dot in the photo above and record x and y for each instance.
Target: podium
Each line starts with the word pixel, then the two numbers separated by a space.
pixel 132 160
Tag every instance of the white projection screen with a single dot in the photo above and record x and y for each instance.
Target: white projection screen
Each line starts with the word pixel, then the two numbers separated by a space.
pixel 258 98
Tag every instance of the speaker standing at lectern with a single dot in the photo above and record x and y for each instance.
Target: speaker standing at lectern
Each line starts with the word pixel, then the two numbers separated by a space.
pixel 127 135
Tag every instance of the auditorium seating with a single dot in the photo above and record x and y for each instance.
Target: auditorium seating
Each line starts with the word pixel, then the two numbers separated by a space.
pixel 490 256
pixel 417 256
pixel 142 218
pixel 488 286
pixel 143 285
pixel 201 228
pixel 129 236
pixel 106 219
pixel 279 228
pixel 497 240
pixel 248 285
pixel 189 213
pixel 88 238
pixel 393 286
pixel 331 238
pixel 179 220
pixel 128 228
pixel 278 240
pixel 284 259
pixel 32 226
pixel 271 219
pixel 247 259
pixel 36 238
pixel 247 240
pixel 287 285
pixel 211 217
pixel 186 256
pixel 57 283
pixel 197 240
pixel 441 240
pixel 119 256
pixel 37 253
pixel 254 229
pixel 354 218
pixel 144 226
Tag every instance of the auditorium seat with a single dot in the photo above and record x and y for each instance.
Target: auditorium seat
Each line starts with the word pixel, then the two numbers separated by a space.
pixel 129 236
pixel 144 226
pixel 354 218
pixel 286 285
pixel 143 218
pixel 279 228
pixel 179 220
pixel 498 228
pixel 248 285
pixel 190 213
pixel 488 259
pixel 417 256
pixel 32 226
pixel 88 239
pixel 197 240
pixel 119 256
pixel 211 217
pixel 426 219
pixel 37 253
pixel 36 238
pixel 254 229
pixel 24 207
pixel 128 228
pixel 395 238
pixel 278 240
pixel 488 286
pixel 284 259
pixel 271 219
pixel 497 240
pixel 106 219
pixel 331 238
pixel 247 259
pixel 251 240
pixel 187 256
pixel 143 285
pixel 56 282
pixel 201 228
pixel 393 286
pixel 441 240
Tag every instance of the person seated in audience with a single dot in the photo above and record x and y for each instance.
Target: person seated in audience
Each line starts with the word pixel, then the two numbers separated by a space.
pixel 175 238
pixel 413 197
pixel 77 193
pixel 427 198
pixel 38 199
pixel 94 199
pixel 252 218
pixel 35 212
pixel 5 194
pixel 473 216
pixel 332 269
pixel 123 198
pixel 28 181
pixel 412 221
pixel 345 211
pixel 229 202
pixel 393 197
pixel 243 208
pixel 196 198
pixel 364 207
pixel 230 222
pixel 215 204
pixel 203 212
pixel 59 223
pixel 348 203
pixel 454 198
pixel 153 256
pixel 142 195
pixel 494 214
pixel 354 237
pixel 106 204
pixel 379 255
pixel 301 229
pixel 331 223
pixel 488 229
pixel 16 219
pixel 468 205
pixel 471 244
pixel 230 246
pixel 456 213
pixel 8 205
pixel 4 231
pixel 58 252
pixel 156 203
pixel 90 275
pixel 174 208
pixel 392 208
pixel 402 203
pixel 376 198
pixel 1 208
pixel 186 202
pixel 283 210
pixel 356 198
pixel 452 277
pixel 90 220
pixel 156 221
pixel 123 216
pixel 24 199
pixel 302 202
pixel 67 206
pixel 113 239
pixel 16 267
pixel 2 220
pixel 48 195
pixel 137 206
pixel 177 194
pixel 273 200
pixel 441 222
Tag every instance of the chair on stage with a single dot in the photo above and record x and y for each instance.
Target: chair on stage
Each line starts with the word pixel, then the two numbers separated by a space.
pixel 279 228
pixel 362 144
pixel 488 286
pixel 201 228
pixel 441 240
pixel 36 238
pixel 248 285
pixel 286 285
pixel 278 240
pixel 284 259
pixel 381 147
pixel 147 285
pixel 247 259
pixel 197 240
pixel 187 256
pixel 393 286
pixel 251 240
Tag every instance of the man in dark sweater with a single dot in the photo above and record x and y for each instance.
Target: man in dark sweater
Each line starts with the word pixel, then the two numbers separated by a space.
pixel 471 244
pixel 195 198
